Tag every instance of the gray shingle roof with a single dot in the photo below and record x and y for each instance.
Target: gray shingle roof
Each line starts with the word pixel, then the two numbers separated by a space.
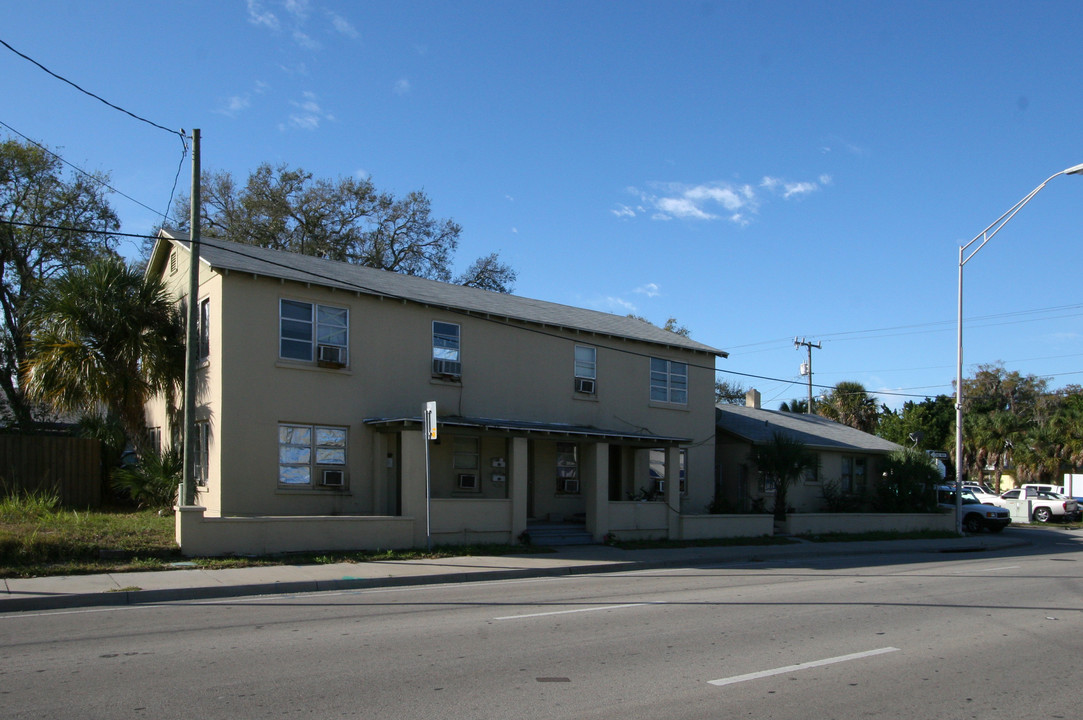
pixel 236 257
pixel 757 426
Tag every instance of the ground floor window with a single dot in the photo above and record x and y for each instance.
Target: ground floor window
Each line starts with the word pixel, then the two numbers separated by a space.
pixel 658 471
pixel 465 461
pixel 854 474
pixel 567 469
pixel 311 456
pixel 203 452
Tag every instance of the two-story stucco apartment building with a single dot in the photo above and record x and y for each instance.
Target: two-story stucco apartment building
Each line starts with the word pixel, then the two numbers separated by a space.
pixel 311 387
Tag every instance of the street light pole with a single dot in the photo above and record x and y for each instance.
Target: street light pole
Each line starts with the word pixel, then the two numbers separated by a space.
pixel 985 236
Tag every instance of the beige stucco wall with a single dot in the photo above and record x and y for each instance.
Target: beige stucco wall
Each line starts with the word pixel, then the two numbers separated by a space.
pixel 820 523
pixel 803 496
pixel 697 527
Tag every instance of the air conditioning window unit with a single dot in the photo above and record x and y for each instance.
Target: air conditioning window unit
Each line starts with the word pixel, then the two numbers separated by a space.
pixel 447 367
pixel 331 355
pixel 584 385
pixel 333 478
pixel 570 485
pixel 468 481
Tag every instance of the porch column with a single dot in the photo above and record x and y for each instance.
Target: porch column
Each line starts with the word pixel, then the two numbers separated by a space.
pixel 413 481
pixel 379 474
pixel 517 485
pixel 595 468
pixel 673 491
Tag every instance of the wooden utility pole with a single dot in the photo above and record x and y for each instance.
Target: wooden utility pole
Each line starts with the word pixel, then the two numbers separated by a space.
pixel 191 359
pixel 806 368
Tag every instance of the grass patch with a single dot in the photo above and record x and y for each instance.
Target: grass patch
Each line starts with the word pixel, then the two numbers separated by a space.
pixel 881 535
pixel 38 539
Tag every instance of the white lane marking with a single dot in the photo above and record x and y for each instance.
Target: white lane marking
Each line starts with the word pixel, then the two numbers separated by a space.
pixel 802 666
pixel 982 570
pixel 577 610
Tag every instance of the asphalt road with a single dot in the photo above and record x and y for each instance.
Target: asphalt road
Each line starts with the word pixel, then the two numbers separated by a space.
pixel 969 635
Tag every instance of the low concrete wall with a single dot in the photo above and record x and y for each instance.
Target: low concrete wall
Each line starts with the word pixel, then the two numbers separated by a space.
pixel 634 520
pixel 198 535
pixel 822 523
pixel 463 521
pixel 702 527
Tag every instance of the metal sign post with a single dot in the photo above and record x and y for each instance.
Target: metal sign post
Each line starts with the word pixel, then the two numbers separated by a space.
pixel 428 416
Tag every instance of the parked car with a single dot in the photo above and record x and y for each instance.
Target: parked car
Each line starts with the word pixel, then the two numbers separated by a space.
pixel 976 514
pixel 1045 506
pixel 984 493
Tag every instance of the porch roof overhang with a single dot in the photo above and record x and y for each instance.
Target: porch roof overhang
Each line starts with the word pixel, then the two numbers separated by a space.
pixel 524 427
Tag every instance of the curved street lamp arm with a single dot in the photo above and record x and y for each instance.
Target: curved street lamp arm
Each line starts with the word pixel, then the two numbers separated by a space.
pixel 985 235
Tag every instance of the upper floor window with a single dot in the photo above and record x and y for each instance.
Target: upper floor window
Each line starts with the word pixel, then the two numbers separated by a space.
pixel 445 349
pixel 313 332
pixel 586 369
pixel 669 381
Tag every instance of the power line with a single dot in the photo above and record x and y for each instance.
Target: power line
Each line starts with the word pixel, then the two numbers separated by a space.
pixel 87 92
pixel 100 181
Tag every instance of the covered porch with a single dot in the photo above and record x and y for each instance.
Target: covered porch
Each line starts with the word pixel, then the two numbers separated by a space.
pixel 503 481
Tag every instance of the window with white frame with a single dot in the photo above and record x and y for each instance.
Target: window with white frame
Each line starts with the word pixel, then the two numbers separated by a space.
pixel 658 471
pixel 853 476
pixel 154 438
pixel 586 369
pixel 311 456
pixel 567 469
pixel 203 452
pixel 466 463
pixel 313 332
pixel 203 328
pixel 669 381
pixel 446 360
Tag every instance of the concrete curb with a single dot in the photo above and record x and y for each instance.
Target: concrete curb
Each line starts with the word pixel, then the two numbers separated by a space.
pixel 417 575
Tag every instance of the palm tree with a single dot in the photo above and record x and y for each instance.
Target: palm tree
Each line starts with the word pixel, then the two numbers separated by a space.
pixel 993 437
pixel 794 406
pixel 784 460
pixel 103 338
pixel 850 404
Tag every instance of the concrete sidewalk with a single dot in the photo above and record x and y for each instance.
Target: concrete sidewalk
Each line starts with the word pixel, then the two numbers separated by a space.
pixel 71 591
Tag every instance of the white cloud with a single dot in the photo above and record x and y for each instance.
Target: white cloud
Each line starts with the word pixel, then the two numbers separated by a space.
pixel 617 304
pixel 673 201
pixel 789 189
pixel 402 87
pixel 342 26
pixel 735 203
pixel 297 8
pixel 258 16
pixel 305 40
pixel 234 105
pixel 310 115
pixel 651 290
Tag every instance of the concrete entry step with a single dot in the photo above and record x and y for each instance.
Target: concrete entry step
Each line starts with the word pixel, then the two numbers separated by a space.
pixel 559 533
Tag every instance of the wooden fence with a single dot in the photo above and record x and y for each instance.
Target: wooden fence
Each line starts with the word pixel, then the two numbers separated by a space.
pixel 70 467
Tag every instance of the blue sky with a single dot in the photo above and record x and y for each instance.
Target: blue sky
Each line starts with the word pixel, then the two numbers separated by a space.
pixel 758 170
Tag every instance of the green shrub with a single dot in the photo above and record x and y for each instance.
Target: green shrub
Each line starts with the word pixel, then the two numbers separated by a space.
pixel 152 481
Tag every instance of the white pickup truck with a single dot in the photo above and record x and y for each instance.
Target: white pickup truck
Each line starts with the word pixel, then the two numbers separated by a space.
pixel 1033 502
